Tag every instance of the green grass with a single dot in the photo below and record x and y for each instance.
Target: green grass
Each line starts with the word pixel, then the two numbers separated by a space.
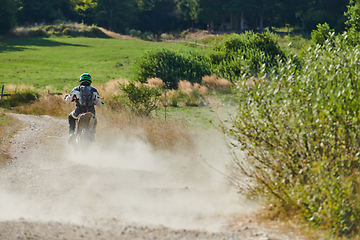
pixel 197 118
pixel 59 61
pixel 4 119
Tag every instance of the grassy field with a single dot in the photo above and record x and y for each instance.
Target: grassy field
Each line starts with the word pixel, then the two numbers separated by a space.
pixel 59 61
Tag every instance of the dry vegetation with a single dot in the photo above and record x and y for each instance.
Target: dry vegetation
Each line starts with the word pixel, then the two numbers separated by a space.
pixel 115 120
pixel 215 83
pixel 8 126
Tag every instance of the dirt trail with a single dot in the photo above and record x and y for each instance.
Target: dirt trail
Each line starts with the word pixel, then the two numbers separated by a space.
pixel 53 191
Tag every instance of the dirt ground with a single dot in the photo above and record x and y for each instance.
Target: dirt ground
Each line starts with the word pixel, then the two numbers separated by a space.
pixel 117 35
pixel 51 190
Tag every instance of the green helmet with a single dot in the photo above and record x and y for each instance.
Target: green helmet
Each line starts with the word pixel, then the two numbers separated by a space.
pixel 85 77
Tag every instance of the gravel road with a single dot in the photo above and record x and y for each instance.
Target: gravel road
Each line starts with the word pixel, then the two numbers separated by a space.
pixel 51 190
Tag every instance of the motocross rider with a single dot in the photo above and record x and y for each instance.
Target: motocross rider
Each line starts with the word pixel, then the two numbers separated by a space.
pixel 75 95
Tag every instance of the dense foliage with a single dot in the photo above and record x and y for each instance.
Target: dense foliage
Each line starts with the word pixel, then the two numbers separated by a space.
pixel 232 57
pixel 140 99
pixel 7 15
pixel 159 16
pixel 322 33
pixel 244 53
pixel 172 66
pixel 300 131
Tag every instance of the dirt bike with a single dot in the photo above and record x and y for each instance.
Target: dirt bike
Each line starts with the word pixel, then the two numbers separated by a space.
pixel 83 127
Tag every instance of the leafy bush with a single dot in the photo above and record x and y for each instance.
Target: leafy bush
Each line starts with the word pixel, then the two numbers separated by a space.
pixel 322 33
pixel 171 66
pixel 148 36
pixel 300 131
pixel 141 100
pixel 353 23
pixel 133 32
pixel 353 15
pixel 244 53
pixel 19 98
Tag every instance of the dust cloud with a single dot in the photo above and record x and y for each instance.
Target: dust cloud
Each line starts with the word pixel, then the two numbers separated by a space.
pixel 126 182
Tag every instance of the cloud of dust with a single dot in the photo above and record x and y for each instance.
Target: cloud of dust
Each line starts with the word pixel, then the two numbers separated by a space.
pixel 128 181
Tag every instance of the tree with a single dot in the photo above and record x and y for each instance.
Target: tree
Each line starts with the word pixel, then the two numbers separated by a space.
pixel 161 17
pixel 211 11
pixel 37 11
pixel 116 15
pixel 7 15
pixel 188 10
pixel 85 10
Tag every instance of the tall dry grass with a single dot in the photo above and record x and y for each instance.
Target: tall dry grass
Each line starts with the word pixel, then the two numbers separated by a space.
pixel 110 88
pixel 12 88
pixel 170 135
pixel 195 93
pixel 154 82
pixel 188 88
pixel 51 105
pixel 215 83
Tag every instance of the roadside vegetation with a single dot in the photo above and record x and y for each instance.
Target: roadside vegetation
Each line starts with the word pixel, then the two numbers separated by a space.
pixel 299 127
pixel 8 126
pixel 295 106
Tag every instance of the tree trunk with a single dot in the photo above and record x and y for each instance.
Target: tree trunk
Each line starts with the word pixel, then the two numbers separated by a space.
pixel 303 24
pixel 110 22
pixel 242 21
pixel 261 21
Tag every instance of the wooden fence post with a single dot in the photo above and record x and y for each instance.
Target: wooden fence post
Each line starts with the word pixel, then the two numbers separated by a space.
pixel 2 91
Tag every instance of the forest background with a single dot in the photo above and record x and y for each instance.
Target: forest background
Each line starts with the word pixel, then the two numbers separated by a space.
pixel 159 16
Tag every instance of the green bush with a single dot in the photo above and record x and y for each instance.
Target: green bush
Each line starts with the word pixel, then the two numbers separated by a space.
pixel 141 100
pixel 134 33
pixel 300 131
pixel 19 98
pixel 148 36
pixel 353 23
pixel 322 33
pixel 244 53
pixel 172 66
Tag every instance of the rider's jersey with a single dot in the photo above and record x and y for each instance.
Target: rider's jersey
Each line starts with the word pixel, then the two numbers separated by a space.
pixel 76 94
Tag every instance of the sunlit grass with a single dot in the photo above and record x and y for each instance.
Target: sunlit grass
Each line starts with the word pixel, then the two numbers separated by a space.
pixel 59 61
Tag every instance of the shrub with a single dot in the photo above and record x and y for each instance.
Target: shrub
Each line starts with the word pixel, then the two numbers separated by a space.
pixel 353 23
pixel 300 133
pixel 19 96
pixel 245 53
pixel 134 33
pixel 140 99
pixel 171 66
pixel 148 36
pixel 353 15
pixel 322 33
